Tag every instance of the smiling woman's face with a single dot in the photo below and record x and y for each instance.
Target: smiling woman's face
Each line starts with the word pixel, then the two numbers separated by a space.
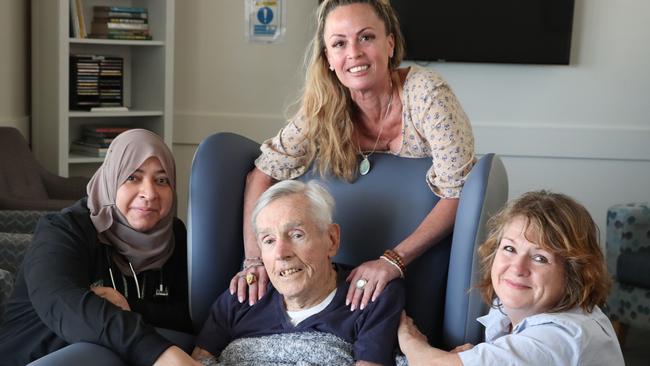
pixel 357 46
pixel 146 196
pixel 526 278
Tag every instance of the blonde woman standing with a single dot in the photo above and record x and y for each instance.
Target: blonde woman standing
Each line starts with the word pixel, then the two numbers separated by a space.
pixel 357 102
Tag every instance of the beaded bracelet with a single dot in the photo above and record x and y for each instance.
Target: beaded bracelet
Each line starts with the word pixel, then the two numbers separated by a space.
pixel 392 256
pixel 401 273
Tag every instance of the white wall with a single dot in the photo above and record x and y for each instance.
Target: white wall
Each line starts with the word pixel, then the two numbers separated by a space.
pixel 224 83
pixel 13 65
pixel 580 129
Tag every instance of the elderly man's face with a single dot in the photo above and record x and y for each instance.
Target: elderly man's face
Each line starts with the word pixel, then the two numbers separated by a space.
pixel 296 252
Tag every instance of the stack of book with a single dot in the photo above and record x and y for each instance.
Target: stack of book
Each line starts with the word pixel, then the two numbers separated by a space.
pixel 95 81
pixel 120 22
pixel 110 81
pixel 95 140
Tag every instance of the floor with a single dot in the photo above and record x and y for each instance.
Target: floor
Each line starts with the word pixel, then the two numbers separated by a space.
pixel 637 347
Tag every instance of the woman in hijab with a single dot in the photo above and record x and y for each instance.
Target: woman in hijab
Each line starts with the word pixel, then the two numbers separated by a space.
pixel 108 269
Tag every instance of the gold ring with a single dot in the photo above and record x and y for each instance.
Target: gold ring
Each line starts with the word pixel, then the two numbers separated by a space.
pixel 251 278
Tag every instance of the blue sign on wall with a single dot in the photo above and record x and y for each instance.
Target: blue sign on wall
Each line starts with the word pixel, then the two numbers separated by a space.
pixel 265 19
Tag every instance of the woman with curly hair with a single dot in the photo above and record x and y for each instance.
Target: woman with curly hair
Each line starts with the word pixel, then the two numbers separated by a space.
pixel 544 274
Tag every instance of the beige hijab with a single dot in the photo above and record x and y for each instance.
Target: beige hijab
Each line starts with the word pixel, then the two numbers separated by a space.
pixel 143 250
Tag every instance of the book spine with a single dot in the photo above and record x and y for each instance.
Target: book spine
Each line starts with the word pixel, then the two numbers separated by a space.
pixel 83 33
pixel 127 26
pixel 104 129
pixel 74 19
pixel 121 9
pixel 112 14
pixel 122 36
pixel 120 20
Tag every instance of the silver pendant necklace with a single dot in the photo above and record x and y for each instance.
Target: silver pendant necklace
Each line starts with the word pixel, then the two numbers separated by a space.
pixel 364 165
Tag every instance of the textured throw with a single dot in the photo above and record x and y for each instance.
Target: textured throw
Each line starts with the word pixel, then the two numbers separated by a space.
pixel 301 349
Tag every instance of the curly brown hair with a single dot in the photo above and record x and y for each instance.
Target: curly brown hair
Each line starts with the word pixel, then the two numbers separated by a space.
pixel 562 226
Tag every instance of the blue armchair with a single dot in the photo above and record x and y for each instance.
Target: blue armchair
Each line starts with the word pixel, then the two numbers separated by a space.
pixel 375 212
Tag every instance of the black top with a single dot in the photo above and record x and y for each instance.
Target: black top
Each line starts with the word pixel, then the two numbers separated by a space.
pixel 52 305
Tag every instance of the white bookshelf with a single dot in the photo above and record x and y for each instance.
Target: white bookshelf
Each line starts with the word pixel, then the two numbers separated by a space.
pixel 148 80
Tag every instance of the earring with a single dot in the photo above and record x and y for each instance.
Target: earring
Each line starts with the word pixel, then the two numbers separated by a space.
pixel 331 68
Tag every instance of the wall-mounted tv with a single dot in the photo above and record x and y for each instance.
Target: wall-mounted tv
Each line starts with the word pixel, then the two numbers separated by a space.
pixel 501 31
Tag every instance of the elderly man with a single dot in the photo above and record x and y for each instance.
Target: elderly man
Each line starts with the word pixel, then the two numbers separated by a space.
pixel 306 298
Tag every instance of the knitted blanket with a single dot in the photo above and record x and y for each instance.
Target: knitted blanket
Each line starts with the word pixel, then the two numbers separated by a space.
pixel 300 349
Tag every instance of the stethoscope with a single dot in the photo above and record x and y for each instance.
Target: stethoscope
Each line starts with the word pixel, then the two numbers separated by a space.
pixel 161 291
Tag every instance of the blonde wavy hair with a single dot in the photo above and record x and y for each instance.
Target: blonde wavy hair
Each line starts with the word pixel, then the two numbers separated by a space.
pixel 326 105
pixel 562 226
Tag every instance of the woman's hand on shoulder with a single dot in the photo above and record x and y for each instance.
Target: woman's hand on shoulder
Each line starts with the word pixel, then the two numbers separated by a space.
pixel 376 275
pixel 111 295
pixel 174 356
pixel 256 290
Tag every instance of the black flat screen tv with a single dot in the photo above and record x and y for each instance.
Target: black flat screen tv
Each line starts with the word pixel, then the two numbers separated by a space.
pixel 499 31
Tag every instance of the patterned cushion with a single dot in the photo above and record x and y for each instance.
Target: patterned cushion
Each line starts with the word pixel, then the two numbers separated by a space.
pixel 16 228
pixel 12 250
pixel 6 286
pixel 14 221
pixel 630 305
pixel 628 256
